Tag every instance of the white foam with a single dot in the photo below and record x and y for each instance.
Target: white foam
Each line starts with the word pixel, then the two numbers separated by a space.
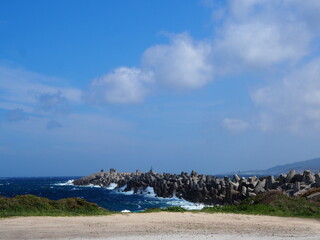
pixel 125 211
pixel 88 186
pixel 180 202
pixel 92 186
pixel 193 207
pixel 112 186
pixel 149 191
pixel 120 190
pixel 67 183
pixel 171 202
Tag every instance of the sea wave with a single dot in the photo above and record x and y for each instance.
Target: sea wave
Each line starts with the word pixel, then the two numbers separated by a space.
pixel 70 183
pixel 112 186
pixel 149 191
pixel 120 190
pixel 114 199
pixel 126 211
pixel 149 194
pixel 180 202
pixel 67 183
pixel 92 186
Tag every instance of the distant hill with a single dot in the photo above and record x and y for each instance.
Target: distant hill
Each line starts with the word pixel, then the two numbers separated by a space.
pixel 312 165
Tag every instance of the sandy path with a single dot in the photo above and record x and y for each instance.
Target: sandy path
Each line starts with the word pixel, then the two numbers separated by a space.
pixel 160 226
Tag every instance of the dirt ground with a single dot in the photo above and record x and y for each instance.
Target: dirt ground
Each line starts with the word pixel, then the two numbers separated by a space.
pixel 163 225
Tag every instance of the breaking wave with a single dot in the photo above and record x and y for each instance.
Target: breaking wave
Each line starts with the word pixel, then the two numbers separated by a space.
pixel 147 196
pixel 112 186
pixel 70 183
pixel 67 183
pixel 150 195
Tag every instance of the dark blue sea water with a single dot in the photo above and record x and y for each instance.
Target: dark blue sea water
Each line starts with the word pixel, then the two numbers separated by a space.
pixel 60 187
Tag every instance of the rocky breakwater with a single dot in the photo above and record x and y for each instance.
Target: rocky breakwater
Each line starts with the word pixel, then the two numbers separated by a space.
pixel 207 189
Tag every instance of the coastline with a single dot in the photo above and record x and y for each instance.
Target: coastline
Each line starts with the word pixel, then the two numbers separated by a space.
pixel 202 188
pixel 163 225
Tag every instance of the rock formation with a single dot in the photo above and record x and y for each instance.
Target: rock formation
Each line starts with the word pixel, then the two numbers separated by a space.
pixel 202 188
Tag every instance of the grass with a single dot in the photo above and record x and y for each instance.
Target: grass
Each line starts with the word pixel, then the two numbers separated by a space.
pixel 30 205
pixel 270 203
pixel 168 209
pixel 273 204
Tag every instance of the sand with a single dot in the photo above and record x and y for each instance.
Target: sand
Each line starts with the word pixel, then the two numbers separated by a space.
pixel 163 226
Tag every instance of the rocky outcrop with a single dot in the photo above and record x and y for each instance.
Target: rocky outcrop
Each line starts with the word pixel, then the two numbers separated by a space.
pixel 202 188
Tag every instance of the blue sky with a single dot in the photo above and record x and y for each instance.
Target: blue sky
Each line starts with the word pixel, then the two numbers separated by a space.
pixel 214 86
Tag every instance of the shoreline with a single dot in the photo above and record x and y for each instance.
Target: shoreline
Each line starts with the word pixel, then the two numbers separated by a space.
pixel 161 225
pixel 201 188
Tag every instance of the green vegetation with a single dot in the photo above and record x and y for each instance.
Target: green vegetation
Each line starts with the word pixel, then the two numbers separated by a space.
pixel 271 203
pixel 168 209
pixel 30 205
pixel 274 204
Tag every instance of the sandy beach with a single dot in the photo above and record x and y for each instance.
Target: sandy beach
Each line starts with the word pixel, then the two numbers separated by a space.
pixel 160 226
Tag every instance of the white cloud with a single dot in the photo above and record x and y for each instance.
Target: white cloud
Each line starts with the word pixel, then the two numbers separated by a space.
pixel 292 103
pixel 260 34
pixel 235 125
pixel 123 85
pixel 261 44
pixel 285 9
pixel 182 64
pixel 253 35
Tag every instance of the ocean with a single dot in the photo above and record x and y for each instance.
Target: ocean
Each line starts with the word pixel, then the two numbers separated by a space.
pixel 110 198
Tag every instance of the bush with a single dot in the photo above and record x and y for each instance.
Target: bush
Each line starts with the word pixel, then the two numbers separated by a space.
pixel 30 205
pixel 272 203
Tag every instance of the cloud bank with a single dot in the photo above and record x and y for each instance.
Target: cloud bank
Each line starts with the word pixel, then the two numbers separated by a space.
pixel 276 39
pixel 292 103
pixel 183 63
pixel 123 85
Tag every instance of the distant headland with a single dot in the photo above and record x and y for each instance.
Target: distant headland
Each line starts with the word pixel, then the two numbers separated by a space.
pixel 200 188
pixel 312 164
